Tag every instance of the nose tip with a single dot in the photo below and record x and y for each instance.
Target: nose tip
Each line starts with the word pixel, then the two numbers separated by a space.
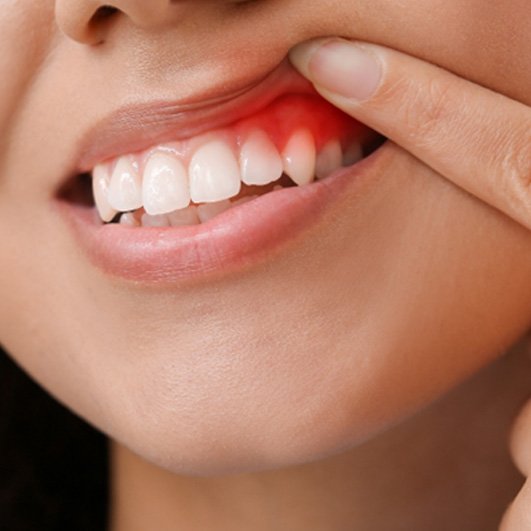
pixel 85 21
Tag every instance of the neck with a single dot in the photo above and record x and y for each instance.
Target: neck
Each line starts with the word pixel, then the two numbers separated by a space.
pixel 448 466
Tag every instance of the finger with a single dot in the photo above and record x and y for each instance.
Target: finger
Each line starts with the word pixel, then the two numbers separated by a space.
pixel 479 139
pixel 518 515
pixel 520 442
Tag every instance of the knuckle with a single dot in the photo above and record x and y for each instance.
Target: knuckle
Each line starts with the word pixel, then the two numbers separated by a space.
pixel 520 440
pixel 434 109
pixel 514 163
pixel 518 515
pixel 424 107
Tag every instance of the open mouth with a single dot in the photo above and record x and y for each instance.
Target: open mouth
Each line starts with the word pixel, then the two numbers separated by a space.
pixel 222 196
pixel 292 142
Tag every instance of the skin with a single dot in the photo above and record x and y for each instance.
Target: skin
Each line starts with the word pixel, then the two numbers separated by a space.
pixel 518 516
pixel 420 285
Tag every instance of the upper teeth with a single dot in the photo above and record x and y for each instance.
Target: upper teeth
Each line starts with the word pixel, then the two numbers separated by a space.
pixel 329 159
pixel 260 161
pixel 168 180
pixel 214 173
pixel 165 184
pixel 125 186
pixel 100 187
pixel 299 157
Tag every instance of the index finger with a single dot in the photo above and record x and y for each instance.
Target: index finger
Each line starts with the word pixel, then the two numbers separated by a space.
pixel 477 138
pixel 518 515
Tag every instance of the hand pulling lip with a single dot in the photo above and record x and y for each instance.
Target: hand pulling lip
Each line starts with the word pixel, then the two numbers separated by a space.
pixel 136 127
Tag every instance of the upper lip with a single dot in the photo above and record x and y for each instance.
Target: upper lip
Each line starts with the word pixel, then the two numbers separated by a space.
pixel 133 128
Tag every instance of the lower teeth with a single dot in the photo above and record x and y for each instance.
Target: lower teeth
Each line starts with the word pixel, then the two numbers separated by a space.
pixel 194 214
pixel 191 215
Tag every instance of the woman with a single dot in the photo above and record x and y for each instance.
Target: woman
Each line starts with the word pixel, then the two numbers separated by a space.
pixel 321 356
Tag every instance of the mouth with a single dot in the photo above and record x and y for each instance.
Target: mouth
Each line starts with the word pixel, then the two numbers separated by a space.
pixel 204 193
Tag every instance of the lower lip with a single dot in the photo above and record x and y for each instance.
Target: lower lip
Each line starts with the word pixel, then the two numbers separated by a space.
pixel 239 238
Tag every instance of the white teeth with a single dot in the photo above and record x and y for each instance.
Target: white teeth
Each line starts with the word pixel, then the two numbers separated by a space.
pixel 210 210
pixel 353 154
pixel 299 157
pixel 125 188
pixel 165 185
pixel 155 221
pixel 100 190
pixel 128 218
pixel 185 216
pixel 329 159
pixel 214 173
pixel 260 162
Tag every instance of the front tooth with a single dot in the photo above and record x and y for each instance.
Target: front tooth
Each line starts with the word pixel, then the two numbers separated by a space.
pixel 299 157
pixel 100 190
pixel 165 185
pixel 329 159
pixel 353 154
pixel 185 216
pixel 125 189
pixel 214 173
pixel 260 161
pixel 210 210
pixel 160 220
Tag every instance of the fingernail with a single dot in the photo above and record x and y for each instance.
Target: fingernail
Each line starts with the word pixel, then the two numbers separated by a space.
pixel 339 66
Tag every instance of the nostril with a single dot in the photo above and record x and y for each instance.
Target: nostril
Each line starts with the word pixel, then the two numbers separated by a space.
pixel 89 21
pixel 84 22
pixel 102 14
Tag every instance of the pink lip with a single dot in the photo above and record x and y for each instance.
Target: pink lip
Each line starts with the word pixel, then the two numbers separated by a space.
pixel 241 237
pixel 134 128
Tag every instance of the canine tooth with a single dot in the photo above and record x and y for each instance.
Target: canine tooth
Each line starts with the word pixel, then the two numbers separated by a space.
pixel 299 157
pixel 210 210
pixel 128 218
pixel 165 185
pixel 329 159
pixel 125 188
pixel 353 154
pixel 100 190
pixel 214 173
pixel 160 220
pixel 184 216
pixel 260 161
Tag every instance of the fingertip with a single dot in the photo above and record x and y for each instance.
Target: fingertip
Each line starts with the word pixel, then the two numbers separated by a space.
pixel 301 54
pixel 343 68
pixel 520 440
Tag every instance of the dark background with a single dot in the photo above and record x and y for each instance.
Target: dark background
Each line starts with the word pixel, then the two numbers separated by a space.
pixel 53 466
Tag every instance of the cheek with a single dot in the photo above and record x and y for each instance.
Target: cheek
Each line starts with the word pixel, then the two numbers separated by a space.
pixel 21 55
pixel 395 299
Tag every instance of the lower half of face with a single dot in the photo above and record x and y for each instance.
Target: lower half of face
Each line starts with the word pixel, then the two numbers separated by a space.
pixel 402 286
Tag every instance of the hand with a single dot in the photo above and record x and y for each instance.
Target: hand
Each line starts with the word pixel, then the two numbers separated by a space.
pixel 518 516
pixel 477 138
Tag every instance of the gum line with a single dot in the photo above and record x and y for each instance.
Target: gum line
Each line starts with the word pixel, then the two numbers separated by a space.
pixel 297 135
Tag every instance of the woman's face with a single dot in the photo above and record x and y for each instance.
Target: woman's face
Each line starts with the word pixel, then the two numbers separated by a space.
pixel 400 287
